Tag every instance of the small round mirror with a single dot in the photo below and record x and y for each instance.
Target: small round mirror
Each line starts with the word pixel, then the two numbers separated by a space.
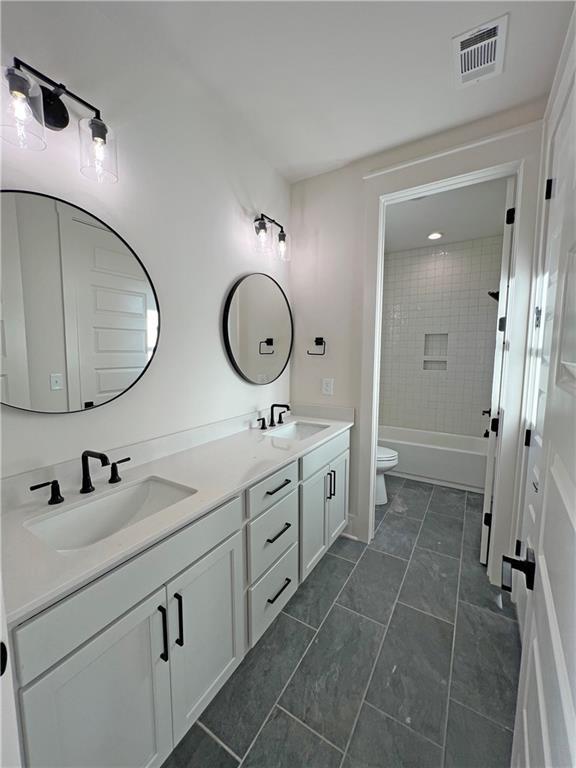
pixel 258 328
pixel 80 317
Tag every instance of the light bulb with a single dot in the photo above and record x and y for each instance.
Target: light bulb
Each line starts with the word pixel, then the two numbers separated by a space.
pixel 282 244
pixel 262 235
pixel 435 235
pixel 19 107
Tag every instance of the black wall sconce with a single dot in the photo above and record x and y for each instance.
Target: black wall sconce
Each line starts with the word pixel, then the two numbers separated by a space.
pixel 261 226
pixel 29 107
pixel 269 342
pixel 319 341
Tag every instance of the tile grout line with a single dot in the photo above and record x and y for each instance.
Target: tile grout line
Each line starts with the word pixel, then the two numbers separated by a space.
pixel 488 610
pixel 309 626
pixel 377 656
pixel 347 559
pixel 426 613
pixel 399 722
pixel 453 642
pixel 435 552
pixel 485 717
pixel 361 615
pixel 385 513
pixel 217 740
pixel 308 728
pixel 312 639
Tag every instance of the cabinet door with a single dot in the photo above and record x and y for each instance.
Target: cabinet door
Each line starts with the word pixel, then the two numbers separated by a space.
pixel 206 630
pixel 313 493
pixel 337 507
pixel 108 704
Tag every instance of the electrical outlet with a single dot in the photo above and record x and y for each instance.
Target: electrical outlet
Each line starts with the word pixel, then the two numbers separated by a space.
pixel 327 386
pixel 56 381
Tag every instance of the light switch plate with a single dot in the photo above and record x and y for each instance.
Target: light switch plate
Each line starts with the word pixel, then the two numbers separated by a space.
pixel 327 386
pixel 56 381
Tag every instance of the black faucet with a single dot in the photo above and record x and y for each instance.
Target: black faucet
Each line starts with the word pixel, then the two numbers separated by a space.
pixel 87 486
pixel 277 405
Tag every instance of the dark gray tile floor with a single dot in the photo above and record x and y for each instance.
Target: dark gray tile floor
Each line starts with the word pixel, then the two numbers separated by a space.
pixel 398 655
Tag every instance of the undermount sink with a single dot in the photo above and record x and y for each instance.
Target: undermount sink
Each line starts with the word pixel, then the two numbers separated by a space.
pixel 91 521
pixel 297 430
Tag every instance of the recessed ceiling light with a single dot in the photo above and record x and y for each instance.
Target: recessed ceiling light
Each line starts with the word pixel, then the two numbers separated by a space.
pixel 435 235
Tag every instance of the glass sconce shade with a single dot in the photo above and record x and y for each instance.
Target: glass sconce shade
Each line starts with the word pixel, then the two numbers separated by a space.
pixel 283 250
pixel 22 118
pixel 98 159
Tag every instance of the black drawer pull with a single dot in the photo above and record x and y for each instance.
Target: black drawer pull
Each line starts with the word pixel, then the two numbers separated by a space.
pixel 283 485
pixel 164 654
pixel 274 538
pixel 271 600
pixel 180 638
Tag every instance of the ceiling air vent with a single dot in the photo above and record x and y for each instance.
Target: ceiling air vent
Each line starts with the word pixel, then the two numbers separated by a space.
pixel 479 53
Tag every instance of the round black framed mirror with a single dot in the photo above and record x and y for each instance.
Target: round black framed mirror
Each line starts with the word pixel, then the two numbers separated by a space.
pixel 258 329
pixel 80 315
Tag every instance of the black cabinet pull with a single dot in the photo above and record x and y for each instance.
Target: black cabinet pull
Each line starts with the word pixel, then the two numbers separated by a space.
pixel 164 654
pixel 283 485
pixel 180 638
pixel 333 473
pixel 274 538
pixel 271 600
pixel 329 476
pixel 3 657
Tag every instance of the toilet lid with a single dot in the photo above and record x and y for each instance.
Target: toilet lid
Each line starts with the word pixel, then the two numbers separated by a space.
pixel 386 453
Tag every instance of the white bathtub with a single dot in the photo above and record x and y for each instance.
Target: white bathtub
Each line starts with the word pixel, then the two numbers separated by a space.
pixel 437 457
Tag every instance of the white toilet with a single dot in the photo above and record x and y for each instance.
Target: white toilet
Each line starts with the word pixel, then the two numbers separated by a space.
pixel 386 460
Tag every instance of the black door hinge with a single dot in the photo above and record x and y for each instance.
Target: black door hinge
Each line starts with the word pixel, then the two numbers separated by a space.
pixel 527 437
pixel 549 187
pixel 538 317
pixel 488 519
pixel 502 324
pixel 494 424
pixel 510 215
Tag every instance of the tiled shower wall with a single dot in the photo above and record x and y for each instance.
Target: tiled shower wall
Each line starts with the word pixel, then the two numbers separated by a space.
pixel 440 383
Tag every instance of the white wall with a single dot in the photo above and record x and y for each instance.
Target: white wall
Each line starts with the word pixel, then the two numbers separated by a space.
pixel 334 268
pixel 190 184
pixel 439 290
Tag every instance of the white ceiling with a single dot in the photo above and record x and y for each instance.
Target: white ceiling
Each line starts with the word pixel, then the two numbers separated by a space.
pixel 461 214
pixel 317 84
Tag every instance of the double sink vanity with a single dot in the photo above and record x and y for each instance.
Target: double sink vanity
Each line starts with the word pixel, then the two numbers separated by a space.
pixel 130 607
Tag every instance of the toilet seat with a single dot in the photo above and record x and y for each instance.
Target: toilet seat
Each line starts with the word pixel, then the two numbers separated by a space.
pixel 386 455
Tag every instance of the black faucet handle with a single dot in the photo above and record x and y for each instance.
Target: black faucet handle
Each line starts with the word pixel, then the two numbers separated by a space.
pixel 55 495
pixel 280 417
pixel 114 476
pixel 262 423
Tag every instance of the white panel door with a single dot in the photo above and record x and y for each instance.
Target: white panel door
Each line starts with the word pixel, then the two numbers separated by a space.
pixel 337 508
pixel 110 311
pixel 108 704
pixel 206 611
pixel 545 732
pixel 313 499
pixel 14 379
pixel 496 451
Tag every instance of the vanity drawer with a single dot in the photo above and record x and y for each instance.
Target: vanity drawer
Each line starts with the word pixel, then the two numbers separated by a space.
pixel 271 534
pixel 45 639
pixel 271 490
pixel 315 460
pixel 269 595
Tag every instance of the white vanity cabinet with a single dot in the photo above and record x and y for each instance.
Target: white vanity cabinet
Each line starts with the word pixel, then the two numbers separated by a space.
pixel 206 630
pixel 108 703
pixel 323 500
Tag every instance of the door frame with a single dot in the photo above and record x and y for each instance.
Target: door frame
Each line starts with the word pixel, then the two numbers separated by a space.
pixel 512 152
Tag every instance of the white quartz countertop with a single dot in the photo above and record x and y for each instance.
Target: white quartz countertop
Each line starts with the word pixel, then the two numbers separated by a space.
pixel 35 574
